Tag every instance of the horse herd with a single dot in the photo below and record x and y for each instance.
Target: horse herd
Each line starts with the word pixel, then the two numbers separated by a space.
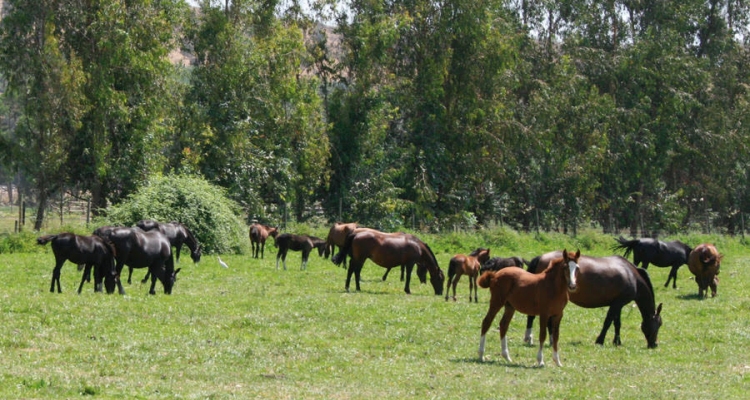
pixel 542 289
pixel 146 245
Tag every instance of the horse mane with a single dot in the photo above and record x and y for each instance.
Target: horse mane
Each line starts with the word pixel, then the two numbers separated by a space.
pixel 432 255
pixel 477 251
pixel 644 274
pixel 533 264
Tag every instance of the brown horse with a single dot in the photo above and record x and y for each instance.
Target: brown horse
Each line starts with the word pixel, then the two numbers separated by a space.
pixel 609 282
pixel 337 237
pixel 469 265
pixel 303 243
pixel 544 294
pixel 704 262
pixel 258 235
pixel 389 250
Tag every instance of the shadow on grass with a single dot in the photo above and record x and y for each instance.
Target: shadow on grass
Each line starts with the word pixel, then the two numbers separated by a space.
pixel 692 296
pixel 500 362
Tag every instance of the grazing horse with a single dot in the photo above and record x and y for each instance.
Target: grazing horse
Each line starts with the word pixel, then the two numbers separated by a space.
pixel 498 263
pixel 704 262
pixel 139 249
pixel 178 234
pixel 469 265
pixel 258 235
pixel 610 282
pixel 662 254
pixel 92 251
pixel 389 250
pixel 544 294
pixel 303 243
pixel 337 237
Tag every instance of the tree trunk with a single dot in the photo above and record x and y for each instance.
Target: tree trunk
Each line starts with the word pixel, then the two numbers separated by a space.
pixel 41 206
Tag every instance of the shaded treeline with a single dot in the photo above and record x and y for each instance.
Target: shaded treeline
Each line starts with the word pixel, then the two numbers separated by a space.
pixel 542 115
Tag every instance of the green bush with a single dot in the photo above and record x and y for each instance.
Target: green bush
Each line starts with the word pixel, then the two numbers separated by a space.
pixel 22 242
pixel 201 206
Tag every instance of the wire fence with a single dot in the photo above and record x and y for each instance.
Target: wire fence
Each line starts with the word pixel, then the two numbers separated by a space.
pixel 65 212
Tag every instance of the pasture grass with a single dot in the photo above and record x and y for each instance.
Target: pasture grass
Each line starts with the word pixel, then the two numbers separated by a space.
pixel 251 331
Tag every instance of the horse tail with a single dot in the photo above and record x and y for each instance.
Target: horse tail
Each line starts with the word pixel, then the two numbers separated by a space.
pixel 623 243
pixel 533 264
pixel 452 266
pixel 42 240
pixel 344 251
pixel 485 280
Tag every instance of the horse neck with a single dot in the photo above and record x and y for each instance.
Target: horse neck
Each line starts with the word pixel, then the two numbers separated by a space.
pixel 190 240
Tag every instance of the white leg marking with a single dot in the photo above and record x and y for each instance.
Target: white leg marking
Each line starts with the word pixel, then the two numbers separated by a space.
pixel 481 348
pixel 556 357
pixel 506 353
pixel 540 357
pixel 527 337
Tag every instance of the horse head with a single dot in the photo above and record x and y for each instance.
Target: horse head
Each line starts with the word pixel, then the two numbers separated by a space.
pixel 650 328
pixel 571 268
pixel 169 281
pixel 196 255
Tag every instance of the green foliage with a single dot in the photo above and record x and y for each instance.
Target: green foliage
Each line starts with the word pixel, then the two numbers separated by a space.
pixel 22 242
pixel 201 206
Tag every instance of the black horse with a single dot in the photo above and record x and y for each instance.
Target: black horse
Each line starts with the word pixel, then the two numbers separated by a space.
pixel 609 282
pixel 662 254
pixel 498 263
pixel 178 234
pixel 303 243
pixel 139 249
pixel 91 251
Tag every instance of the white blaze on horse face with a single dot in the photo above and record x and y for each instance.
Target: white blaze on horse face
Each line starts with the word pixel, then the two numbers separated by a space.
pixel 572 268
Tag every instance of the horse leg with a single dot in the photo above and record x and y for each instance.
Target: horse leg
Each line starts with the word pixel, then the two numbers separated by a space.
pixel 152 290
pixel 408 278
pixel 177 251
pixel 385 275
pixel 504 324
pixel 616 340
pixel 402 273
pixel 473 280
pixel 608 319
pixel 486 322
pixel 86 274
pixel 544 320
pixel 673 276
pixel 262 246
pixel 130 274
pixel 528 337
pixel 278 256
pixel 713 286
pixel 56 275
pixel 555 322
pixel 448 287
pixel 118 270
pixel 148 275
pixel 305 255
pixel 349 273
pixel 454 284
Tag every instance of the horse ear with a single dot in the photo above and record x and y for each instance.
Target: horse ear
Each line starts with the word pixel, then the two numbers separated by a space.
pixel 176 271
pixel 578 254
pixel 658 309
pixel 565 255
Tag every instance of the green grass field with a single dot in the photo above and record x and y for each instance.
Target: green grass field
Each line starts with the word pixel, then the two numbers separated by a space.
pixel 253 332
